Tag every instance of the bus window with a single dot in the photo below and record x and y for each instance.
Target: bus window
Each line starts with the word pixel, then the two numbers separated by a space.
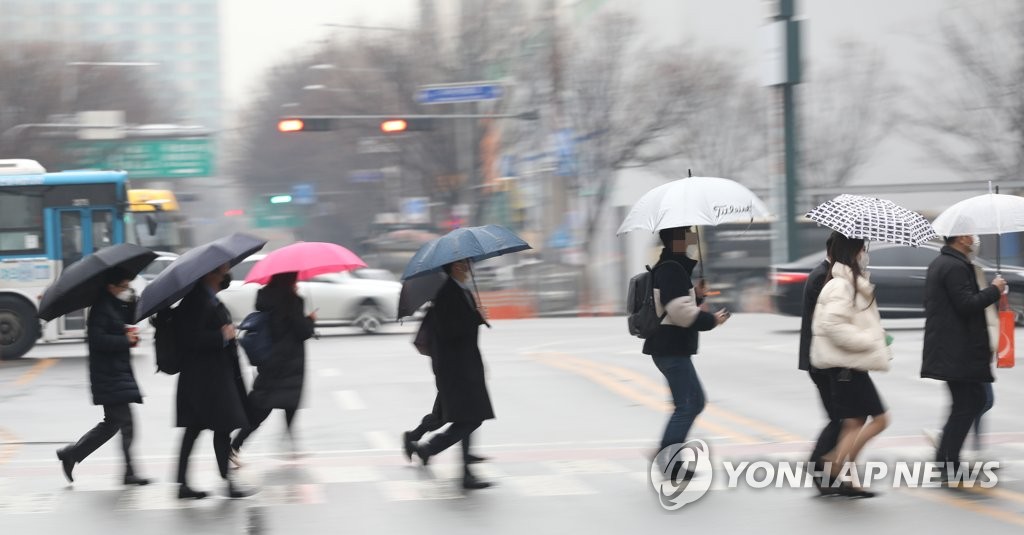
pixel 70 236
pixel 102 229
pixel 21 222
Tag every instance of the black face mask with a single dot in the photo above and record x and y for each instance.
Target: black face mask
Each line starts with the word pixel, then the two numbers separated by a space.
pixel 226 281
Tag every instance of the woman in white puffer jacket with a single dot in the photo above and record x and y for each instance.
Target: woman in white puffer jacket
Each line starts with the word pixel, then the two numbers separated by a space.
pixel 847 342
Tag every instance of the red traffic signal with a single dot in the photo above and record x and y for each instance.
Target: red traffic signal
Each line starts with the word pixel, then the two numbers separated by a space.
pixel 394 126
pixel 398 126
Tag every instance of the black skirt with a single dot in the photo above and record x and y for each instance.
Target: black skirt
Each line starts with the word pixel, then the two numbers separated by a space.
pixel 854 394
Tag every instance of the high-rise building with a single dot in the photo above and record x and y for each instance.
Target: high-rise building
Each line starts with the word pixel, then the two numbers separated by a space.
pixel 181 36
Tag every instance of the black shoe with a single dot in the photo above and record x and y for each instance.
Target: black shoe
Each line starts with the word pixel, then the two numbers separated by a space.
pixel 186 493
pixel 476 459
pixel 236 491
pixel 408 445
pixel 470 482
pixel 422 454
pixel 821 483
pixel 132 479
pixel 850 491
pixel 66 462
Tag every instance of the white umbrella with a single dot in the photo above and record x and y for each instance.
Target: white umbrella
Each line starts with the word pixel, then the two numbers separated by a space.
pixel 992 213
pixel 691 201
pixel 867 218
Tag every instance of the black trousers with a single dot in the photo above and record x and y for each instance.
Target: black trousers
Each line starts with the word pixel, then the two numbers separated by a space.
pixel 969 400
pixel 456 432
pixel 256 418
pixel 829 436
pixel 432 421
pixel 115 418
pixel 221 448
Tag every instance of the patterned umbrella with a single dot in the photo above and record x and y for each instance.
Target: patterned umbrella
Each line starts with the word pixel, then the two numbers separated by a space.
pixel 872 219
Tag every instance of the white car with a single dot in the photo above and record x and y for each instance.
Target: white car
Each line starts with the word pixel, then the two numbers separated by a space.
pixel 366 298
pixel 161 262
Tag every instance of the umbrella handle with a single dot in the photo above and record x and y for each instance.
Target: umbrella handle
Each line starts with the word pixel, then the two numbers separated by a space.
pixel 479 303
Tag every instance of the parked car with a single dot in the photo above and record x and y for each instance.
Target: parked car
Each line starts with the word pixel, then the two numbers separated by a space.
pixel 361 298
pixel 898 274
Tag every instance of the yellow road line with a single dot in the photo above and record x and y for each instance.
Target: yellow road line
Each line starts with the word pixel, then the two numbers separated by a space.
pixel 659 403
pixel 997 492
pixel 35 371
pixel 7 446
pixel 999 514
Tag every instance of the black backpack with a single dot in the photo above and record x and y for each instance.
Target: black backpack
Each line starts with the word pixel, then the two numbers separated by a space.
pixel 643 317
pixel 168 360
pixel 256 340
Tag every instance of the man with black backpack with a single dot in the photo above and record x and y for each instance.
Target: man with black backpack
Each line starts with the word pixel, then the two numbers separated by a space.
pixel 674 342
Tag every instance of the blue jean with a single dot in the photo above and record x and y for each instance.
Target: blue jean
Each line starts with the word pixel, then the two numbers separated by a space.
pixel 687 396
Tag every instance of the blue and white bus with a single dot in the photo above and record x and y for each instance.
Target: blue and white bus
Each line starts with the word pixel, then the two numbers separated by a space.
pixel 47 222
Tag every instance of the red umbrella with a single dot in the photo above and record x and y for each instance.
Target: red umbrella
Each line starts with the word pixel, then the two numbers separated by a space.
pixel 309 259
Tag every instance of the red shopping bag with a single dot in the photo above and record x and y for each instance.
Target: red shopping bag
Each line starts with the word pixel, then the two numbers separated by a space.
pixel 1007 326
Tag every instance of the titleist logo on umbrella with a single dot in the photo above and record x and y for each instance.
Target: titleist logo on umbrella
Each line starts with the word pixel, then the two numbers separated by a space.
pixel 730 209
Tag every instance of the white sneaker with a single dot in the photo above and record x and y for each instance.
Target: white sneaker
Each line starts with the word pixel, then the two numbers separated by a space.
pixel 934 436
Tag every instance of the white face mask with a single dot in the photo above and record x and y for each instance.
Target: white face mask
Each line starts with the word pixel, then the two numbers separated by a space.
pixel 863 259
pixel 127 295
pixel 975 246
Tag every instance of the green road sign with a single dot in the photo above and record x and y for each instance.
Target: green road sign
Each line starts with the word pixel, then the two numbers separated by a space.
pixel 147 158
pixel 275 216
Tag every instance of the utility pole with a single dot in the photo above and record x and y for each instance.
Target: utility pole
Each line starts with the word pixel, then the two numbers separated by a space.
pixel 782 37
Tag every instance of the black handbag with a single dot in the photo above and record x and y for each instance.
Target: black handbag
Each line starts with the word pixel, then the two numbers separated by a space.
pixel 425 335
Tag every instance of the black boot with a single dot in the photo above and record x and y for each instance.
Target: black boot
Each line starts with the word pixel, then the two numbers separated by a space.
pixel 475 459
pixel 187 493
pixel 408 445
pixel 132 479
pixel 64 454
pixel 422 453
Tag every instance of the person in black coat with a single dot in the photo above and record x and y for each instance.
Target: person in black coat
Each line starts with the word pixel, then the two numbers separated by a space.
pixel 672 346
pixel 829 436
pixel 458 369
pixel 211 394
pixel 957 348
pixel 110 374
pixel 280 379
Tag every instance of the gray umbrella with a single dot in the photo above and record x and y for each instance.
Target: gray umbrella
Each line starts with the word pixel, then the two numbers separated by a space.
pixel 417 291
pixel 177 279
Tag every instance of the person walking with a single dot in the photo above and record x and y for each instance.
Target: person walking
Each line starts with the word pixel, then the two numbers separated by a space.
pixel 958 346
pixel 462 399
pixel 110 375
pixel 674 343
pixel 279 382
pixel 847 340
pixel 829 436
pixel 211 394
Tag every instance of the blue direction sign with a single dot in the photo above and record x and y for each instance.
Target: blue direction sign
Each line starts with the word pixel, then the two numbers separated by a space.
pixel 470 92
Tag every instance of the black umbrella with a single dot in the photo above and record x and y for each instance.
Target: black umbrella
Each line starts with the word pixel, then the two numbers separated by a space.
pixel 81 283
pixel 417 291
pixel 175 281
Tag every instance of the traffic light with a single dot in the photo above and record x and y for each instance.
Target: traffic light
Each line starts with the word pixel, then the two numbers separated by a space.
pixel 305 124
pixel 399 126
pixel 280 199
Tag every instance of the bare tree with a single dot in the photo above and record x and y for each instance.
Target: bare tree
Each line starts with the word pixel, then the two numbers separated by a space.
pixel 971 117
pixel 38 84
pixel 847 110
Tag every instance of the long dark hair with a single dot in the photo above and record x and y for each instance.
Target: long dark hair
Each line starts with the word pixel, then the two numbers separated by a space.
pixel 845 251
pixel 284 281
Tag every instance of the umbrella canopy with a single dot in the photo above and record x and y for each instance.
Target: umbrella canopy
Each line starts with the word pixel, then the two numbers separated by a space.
pixel 177 279
pixel 992 213
pixel 697 200
pixel 473 243
pixel 80 284
pixel 308 259
pixel 872 219
pixel 417 291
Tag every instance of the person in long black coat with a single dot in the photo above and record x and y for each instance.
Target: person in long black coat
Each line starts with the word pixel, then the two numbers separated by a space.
pixel 458 367
pixel 829 436
pixel 110 375
pixel 280 379
pixel 957 347
pixel 211 394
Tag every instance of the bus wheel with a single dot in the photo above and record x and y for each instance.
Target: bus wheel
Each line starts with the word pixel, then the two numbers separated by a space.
pixel 19 327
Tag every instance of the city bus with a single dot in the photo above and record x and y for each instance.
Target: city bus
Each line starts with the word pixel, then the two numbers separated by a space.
pixel 157 221
pixel 47 222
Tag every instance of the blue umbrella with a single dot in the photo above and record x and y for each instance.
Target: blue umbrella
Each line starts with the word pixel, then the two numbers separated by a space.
pixel 473 243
